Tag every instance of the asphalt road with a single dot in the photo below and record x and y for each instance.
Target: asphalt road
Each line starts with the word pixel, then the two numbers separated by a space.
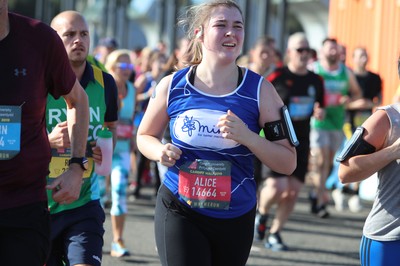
pixel 312 241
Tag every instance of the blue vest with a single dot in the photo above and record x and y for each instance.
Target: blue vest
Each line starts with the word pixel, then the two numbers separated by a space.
pixel 194 115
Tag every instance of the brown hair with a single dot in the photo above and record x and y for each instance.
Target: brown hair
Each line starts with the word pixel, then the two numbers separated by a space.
pixel 194 18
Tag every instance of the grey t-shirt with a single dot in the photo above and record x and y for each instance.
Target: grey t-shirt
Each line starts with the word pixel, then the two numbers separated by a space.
pixel 383 222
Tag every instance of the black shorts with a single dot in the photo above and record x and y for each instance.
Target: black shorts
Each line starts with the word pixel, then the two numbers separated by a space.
pixel 185 237
pixel 25 235
pixel 300 172
pixel 77 235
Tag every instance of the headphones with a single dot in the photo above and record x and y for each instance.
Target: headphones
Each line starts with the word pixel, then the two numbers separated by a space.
pixel 198 34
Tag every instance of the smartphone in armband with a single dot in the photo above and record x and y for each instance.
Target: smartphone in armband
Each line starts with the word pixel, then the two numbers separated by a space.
pixel 290 129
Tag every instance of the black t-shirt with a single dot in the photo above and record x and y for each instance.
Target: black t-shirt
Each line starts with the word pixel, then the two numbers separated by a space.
pixel 371 87
pixel 299 93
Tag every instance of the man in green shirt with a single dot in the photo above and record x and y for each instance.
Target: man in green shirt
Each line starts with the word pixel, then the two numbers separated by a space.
pixel 327 134
pixel 77 228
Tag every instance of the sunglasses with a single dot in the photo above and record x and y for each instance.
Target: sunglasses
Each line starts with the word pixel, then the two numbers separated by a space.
pixel 124 66
pixel 303 49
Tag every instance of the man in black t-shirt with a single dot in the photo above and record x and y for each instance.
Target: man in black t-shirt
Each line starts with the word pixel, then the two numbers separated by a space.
pixel 303 92
pixel 371 86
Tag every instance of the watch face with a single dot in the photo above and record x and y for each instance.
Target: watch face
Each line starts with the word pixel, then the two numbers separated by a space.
pixel 83 162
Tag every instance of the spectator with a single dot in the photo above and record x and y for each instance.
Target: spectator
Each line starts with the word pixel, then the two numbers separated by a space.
pixel 145 86
pixel 104 48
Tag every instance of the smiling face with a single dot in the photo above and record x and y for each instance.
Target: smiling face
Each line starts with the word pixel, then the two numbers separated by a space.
pixel 223 34
pixel 74 32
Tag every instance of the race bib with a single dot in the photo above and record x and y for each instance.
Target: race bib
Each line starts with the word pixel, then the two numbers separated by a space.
pixel 206 184
pixel 301 107
pixel 59 163
pixel 332 99
pixel 10 131
pixel 125 129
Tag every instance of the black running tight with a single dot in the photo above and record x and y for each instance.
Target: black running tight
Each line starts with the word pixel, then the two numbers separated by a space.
pixel 185 237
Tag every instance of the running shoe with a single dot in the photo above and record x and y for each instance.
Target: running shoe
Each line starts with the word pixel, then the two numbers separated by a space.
pixel 355 204
pixel 322 212
pixel 275 243
pixel 338 198
pixel 313 202
pixel 118 249
pixel 260 227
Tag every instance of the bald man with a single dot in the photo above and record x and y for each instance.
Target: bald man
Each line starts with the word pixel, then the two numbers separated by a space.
pixel 303 92
pixel 77 228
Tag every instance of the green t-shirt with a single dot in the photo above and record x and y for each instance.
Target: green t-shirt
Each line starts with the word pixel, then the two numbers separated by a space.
pixel 336 85
pixel 55 113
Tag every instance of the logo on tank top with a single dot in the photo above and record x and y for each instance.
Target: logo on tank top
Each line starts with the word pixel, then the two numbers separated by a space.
pixel 198 128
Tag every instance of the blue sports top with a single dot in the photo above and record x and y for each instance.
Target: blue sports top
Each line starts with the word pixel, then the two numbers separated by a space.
pixel 125 116
pixel 194 115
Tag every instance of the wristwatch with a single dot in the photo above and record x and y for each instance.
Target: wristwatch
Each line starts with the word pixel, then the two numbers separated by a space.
pixel 82 161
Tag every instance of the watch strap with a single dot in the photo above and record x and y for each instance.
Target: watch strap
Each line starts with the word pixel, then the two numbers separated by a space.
pixel 79 160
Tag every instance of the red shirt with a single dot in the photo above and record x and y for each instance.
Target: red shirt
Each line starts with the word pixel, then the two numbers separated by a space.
pixel 33 63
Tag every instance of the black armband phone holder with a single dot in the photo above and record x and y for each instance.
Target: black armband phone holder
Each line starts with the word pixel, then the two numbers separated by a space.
pixel 356 145
pixel 281 129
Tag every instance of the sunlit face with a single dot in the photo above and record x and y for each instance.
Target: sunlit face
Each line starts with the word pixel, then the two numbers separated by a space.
pixel 330 52
pixel 299 53
pixel 123 67
pixel 360 58
pixel 74 33
pixel 223 36
pixel 157 65
pixel 262 55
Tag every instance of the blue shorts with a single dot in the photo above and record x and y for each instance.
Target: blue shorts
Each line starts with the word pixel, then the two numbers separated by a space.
pixel 77 235
pixel 379 253
pixel 25 235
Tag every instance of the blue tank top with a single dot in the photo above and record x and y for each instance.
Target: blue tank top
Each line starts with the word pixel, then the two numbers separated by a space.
pixel 194 115
pixel 126 114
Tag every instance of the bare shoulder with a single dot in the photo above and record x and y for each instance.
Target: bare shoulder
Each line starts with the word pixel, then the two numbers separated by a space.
pixel 270 103
pixel 377 127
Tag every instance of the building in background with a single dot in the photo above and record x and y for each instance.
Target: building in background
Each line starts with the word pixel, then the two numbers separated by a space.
pixel 139 23
pixel 375 25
